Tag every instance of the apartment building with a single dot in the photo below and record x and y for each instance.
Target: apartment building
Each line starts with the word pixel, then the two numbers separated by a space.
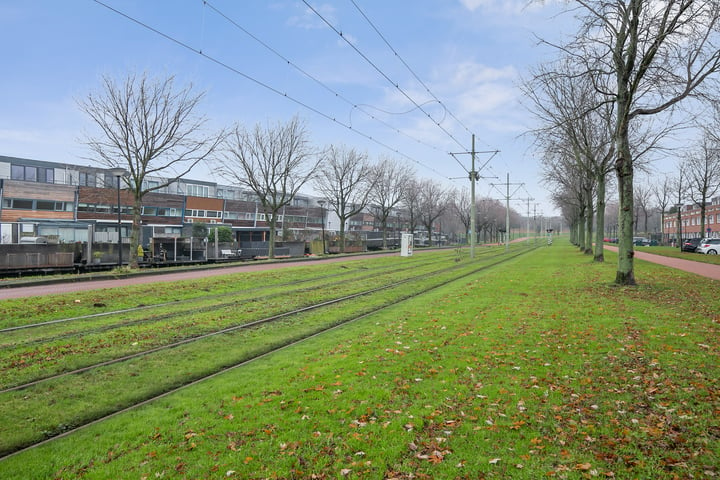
pixel 71 203
pixel 690 224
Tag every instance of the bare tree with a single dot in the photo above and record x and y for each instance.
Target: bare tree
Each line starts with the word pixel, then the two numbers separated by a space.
pixel 568 176
pixel 662 193
pixel 647 57
pixel 575 118
pixel 460 206
pixel 703 173
pixel 149 129
pixel 411 201
pixel 272 162
pixel 643 196
pixel 491 214
pixel 346 181
pixel 679 187
pixel 433 201
pixel 389 178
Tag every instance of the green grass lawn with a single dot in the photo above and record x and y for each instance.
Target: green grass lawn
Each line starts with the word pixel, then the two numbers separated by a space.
pixel 539 369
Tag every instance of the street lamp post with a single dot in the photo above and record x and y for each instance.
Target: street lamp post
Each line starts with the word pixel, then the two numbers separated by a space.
pixel 397 226
pixel 322 210
pixel 118 173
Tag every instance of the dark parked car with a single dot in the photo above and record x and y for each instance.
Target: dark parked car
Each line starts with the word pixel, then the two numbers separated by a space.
pixel 690 244
pixel 641 241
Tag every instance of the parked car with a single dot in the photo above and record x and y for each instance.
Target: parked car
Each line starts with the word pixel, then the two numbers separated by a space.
pixel 690 244
pixel 641 241
pixel 709 246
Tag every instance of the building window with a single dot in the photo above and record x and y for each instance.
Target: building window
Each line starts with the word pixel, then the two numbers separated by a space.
pixel 19 203
pixel 48 205
pixel 45 205
pixel 151 185
pixel 17 172
pixel 30 174
pixel 198 190
pixel 168 212
pixel 86 179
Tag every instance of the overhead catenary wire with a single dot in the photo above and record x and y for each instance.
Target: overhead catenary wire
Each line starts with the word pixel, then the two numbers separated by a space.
pixel 415 75
pixel 319 82
pixel 266 86
pixel 427 89
pixel 381 72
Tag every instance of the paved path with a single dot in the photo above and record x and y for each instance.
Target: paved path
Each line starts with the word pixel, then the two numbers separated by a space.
pixel 700 268
pixel 45 288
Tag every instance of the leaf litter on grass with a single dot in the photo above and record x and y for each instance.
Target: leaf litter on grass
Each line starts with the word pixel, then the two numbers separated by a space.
pixel 543 376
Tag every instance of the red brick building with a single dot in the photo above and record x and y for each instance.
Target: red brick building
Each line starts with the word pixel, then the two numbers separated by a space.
pixel 691 221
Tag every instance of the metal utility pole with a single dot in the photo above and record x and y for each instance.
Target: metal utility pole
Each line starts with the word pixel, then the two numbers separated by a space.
pixel 507 214
pixel 474 177
pixel 507 207
pixel 535 227
pixel 528 200
pixel 473 207
pixel 119 172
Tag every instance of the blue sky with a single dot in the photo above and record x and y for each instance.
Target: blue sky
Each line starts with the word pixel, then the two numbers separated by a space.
pixel 470 54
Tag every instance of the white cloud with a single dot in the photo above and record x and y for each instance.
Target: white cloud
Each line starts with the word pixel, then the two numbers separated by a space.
pixel 475 91
pixel 309 20
pixel 8 135
pixel 470 73
pixel 508 7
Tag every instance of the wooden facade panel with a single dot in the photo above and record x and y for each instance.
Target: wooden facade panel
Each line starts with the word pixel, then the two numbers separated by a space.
pixel 164 200
pixel 200 203
pixel 104 196
pixel 38 191
pixel 13 215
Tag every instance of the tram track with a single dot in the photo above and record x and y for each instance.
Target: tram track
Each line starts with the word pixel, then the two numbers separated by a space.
pixel 21 359
pixel 424 282
pixel 346 272
pixel 228 300
pixel 186 321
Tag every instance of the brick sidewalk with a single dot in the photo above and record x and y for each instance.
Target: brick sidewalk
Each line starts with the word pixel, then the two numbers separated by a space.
pixel 708 270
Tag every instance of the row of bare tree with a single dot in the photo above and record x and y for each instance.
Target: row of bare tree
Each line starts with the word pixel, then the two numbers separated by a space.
pixel 153 131
pixel 634 72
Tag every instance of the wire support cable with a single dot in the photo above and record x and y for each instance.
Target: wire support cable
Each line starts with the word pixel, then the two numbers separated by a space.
pixel 383 74
pixel 319 82
pixel 415 75
pixel 266 86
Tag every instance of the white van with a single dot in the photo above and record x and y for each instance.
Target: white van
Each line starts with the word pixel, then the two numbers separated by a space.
pixel 34 240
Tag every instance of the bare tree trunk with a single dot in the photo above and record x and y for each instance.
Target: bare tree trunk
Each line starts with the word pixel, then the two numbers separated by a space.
pixel 135 234
pixel 271 239
pixel 600 226
pixel 342 236
pixel 581 230
pixel 588 222
pixel 625 274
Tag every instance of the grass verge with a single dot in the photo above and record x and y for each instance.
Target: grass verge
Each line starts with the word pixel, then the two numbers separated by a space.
pixel 541 369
